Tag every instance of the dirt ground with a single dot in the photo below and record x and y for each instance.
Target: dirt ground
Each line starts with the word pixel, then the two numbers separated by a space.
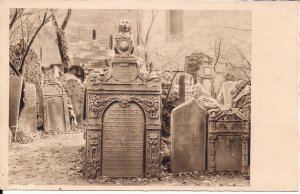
pixel 58 159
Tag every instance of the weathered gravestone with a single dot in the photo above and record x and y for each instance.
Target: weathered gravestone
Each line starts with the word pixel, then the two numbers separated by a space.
pixel 225 96
pixel 123 117
pixel 205 77
pixel 228 136
pixel 28 115
pixel 185 87
pixel 56 114
pixel 188 137
pixel 194 61
pixel 32 72
pixel 75 90
pixel 15 89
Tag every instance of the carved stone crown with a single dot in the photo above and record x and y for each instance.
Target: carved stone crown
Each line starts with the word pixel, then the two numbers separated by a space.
pixel 123 41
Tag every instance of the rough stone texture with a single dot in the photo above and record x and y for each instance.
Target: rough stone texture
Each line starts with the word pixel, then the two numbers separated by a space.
pixel 123 117
pixel 15 89
pixel 75 91
pixel 56 114
pixel 228 140
pixel 188 138
pixel 28 115
pixel 225 96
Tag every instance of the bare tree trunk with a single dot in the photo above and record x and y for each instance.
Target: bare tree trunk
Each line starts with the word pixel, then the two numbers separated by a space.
pixel 61 39
pixel 45 20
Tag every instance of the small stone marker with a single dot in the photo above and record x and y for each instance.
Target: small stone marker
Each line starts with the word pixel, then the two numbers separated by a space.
pixel 181 89
pixel 188 137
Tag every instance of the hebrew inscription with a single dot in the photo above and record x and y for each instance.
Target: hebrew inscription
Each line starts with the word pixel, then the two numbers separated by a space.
pixel 123 141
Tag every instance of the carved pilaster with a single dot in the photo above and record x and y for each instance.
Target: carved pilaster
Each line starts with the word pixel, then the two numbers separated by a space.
pixel 93 154
pixel 153 154
pixel 245 151
pixel 211 153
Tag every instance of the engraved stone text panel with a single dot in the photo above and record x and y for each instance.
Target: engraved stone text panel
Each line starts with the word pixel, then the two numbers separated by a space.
pixel 123 141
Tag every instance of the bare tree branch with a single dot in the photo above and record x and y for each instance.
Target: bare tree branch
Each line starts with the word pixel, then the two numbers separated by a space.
pixel 17 12
pixel 44 21
pixel 14 69
pixel 65 22
pixel 217 54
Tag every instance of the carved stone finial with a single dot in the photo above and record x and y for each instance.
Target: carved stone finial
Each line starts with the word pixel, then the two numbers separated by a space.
pixel 124 42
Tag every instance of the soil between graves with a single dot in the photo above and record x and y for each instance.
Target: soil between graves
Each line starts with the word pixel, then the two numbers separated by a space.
pixel 57 159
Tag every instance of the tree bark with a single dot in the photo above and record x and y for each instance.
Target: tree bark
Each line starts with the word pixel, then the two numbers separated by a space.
pixel 61 39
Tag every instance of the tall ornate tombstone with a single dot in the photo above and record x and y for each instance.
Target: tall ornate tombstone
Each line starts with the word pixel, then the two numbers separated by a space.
pixel 56 114
pixel 123 117
pixel 188 137
pixel 228 136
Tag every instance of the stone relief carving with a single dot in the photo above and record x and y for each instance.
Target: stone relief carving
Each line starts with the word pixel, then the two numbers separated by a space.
pixel 97 104
pixel 93 165
pixel 153 154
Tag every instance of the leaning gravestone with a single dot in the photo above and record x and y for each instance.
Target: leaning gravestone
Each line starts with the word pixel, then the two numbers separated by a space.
pixel 15 89
pixel 228 140
pixel 75 91
pixel 188 137
pixel 123 117
pixel 28 115
pixel 56 114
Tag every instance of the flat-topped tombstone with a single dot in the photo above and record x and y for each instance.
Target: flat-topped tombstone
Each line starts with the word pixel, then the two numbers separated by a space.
pixel 188 137
pixel 75 91
pixel 56 114
pixel 123 117
pixel 28 115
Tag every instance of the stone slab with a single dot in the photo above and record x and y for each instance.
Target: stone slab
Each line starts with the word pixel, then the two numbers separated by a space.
pixel 75 91
pixel 15 89
pixel 28 115
pixel 188 138
pixel 123 141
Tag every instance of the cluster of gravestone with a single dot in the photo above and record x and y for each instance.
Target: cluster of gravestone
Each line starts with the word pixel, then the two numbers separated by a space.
pixel 42 98
pixel 210 132
pixel 123 135
pixel 122 111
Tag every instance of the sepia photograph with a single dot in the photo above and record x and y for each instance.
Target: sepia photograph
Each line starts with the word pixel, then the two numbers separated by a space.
pixel 129 97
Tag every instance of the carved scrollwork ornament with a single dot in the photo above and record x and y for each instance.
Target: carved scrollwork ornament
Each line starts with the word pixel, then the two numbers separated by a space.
pixel 97 104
